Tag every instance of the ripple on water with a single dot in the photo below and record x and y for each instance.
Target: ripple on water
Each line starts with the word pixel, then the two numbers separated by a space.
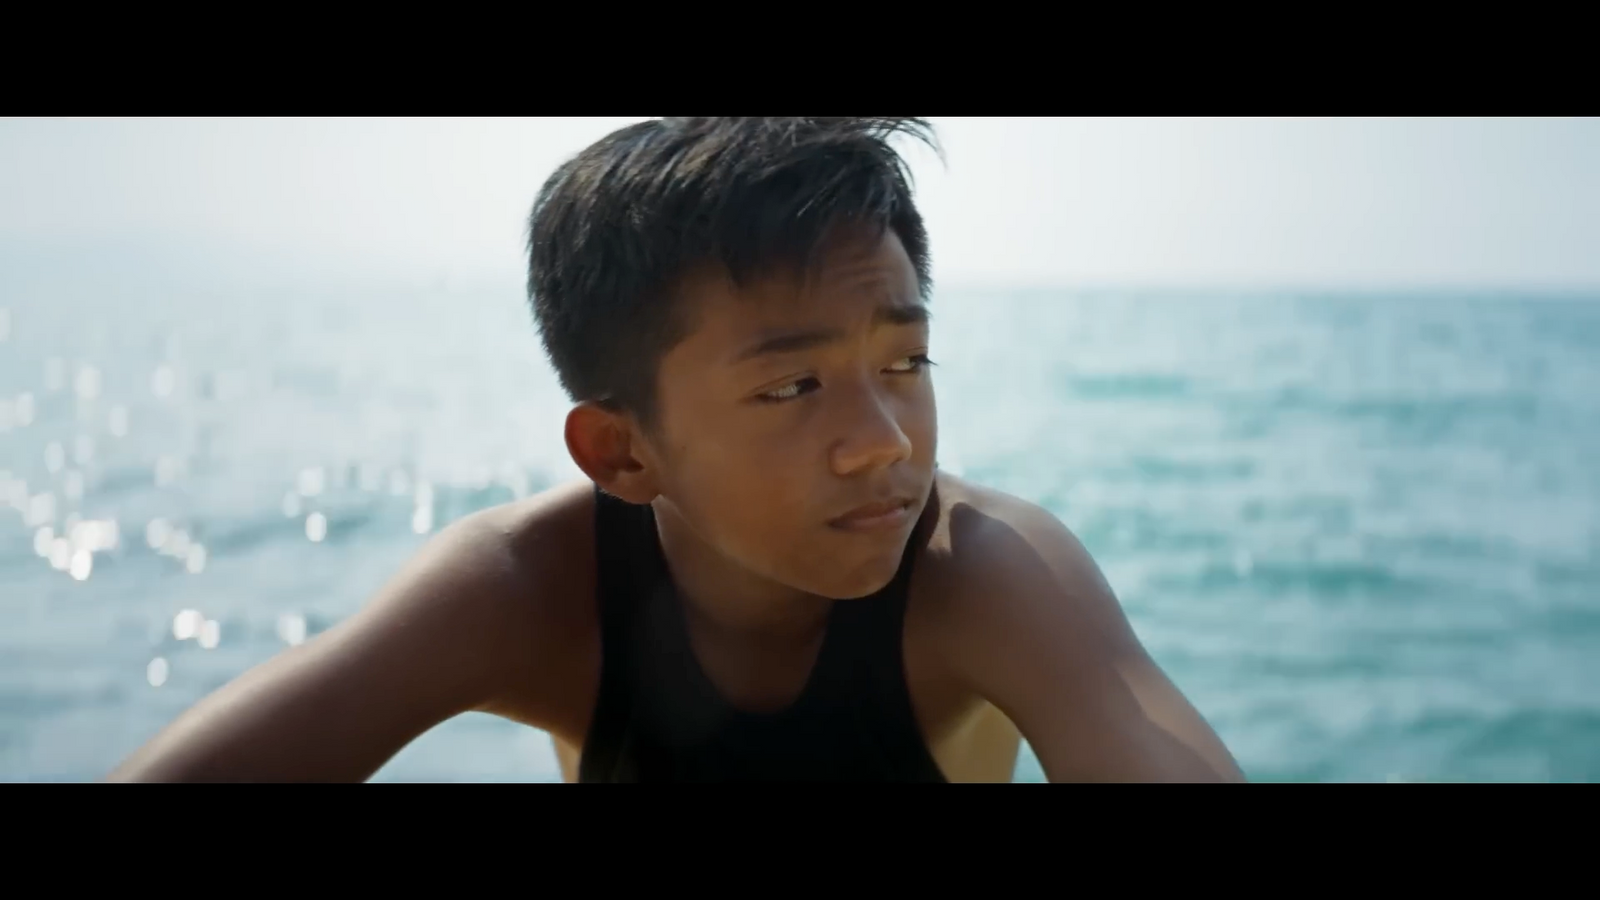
pixel 1129 386
pixel 1322 547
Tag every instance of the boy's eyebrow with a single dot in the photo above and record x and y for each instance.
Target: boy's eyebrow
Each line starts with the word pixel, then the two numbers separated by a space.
pixel 794 341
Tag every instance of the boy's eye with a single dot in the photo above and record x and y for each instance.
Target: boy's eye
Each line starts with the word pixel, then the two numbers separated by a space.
pixel 796 389
pixel 912 363
pixel 790 391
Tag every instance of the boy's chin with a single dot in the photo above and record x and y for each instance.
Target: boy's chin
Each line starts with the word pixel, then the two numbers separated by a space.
pixel 856 585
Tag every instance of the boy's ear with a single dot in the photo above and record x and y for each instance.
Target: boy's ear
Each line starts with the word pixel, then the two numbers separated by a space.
pixel 606 445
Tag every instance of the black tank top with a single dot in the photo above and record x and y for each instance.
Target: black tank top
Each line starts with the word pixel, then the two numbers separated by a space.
pixel 659 718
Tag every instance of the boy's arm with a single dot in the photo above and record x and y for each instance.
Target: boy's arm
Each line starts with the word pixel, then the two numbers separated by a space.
pixel 445 636
pixel 1047 642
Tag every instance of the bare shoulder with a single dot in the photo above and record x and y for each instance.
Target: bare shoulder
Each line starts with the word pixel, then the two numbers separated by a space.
pixel 496 566
pixel 483 617
pixel 510 549
pixel 993 554
pixel 1023 617
pixel 515 584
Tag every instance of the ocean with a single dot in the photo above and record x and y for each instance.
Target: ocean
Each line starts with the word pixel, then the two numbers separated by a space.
pixel 1360 532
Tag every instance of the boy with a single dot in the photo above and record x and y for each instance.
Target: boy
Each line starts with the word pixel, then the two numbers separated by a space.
pixel 764 577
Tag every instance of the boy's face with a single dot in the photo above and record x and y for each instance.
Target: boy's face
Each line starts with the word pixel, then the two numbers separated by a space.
pixel 791 408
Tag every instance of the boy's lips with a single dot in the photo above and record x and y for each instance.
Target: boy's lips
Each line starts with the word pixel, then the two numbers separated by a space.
pixel 877 516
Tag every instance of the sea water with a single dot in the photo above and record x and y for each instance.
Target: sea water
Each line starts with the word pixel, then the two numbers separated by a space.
pixel 1360 532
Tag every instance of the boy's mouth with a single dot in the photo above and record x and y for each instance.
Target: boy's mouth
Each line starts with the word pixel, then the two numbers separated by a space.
pixel 880 516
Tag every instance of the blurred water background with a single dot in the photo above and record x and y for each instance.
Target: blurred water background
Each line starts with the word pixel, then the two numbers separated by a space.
pixel 1361 530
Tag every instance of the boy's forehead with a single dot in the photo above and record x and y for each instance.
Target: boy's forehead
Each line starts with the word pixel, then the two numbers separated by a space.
pixel 853 280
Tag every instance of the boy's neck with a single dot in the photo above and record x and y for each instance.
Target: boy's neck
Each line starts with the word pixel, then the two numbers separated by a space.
pixel 729 599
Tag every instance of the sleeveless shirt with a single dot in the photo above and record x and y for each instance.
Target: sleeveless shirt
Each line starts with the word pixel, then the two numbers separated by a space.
pixel 659 718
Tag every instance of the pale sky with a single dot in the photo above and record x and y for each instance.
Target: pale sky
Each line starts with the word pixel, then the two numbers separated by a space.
pixel 1039 202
